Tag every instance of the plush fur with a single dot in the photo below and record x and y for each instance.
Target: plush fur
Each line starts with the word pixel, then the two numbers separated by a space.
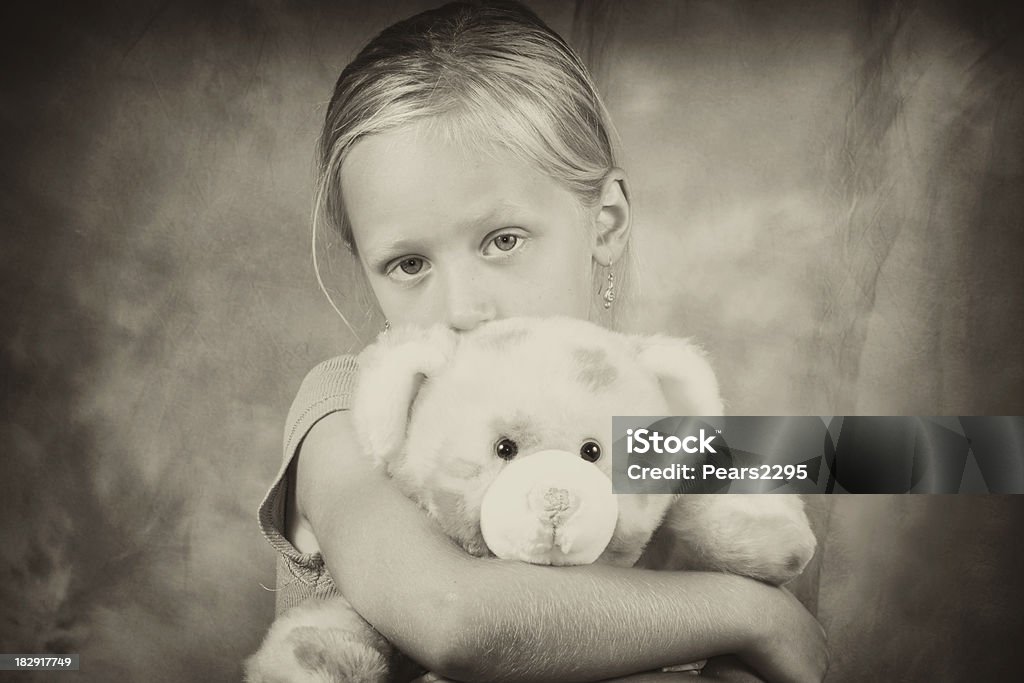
pixel 431 406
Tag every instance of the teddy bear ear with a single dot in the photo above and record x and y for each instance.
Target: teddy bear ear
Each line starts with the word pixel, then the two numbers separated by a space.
pixel 686 377
pixel 391 372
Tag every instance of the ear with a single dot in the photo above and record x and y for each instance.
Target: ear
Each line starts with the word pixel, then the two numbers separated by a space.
pixel 391 372
pixel 686 377
pixel 613 219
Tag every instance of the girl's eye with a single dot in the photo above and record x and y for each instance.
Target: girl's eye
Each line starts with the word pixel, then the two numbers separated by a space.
pixel 503 243
pixel 506 449
pixel 506 242
pixel 590 451
pixel 411 266
pixel 408 268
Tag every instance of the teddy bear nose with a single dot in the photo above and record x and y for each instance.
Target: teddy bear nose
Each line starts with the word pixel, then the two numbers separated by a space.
pixel 553 502
pixel 556 500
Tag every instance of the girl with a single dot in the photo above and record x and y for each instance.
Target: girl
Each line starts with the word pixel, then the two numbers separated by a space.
pixel 466 160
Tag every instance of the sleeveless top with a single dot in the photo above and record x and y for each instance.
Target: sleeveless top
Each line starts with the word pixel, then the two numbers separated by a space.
pixel 300 576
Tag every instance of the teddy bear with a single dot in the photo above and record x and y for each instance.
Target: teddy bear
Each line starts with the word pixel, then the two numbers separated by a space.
pixel 503 435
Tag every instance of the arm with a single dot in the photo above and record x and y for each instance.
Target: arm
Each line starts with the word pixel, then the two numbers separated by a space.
pixel 532 623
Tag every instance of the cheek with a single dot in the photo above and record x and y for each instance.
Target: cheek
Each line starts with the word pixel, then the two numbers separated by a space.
pixel 405 307
pixel 554 302
pixel 558 285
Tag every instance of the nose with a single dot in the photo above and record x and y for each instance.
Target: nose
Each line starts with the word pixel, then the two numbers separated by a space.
pixel 554 503
pixel 468 302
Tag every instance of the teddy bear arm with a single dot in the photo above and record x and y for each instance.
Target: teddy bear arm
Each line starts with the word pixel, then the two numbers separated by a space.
pixel 766 537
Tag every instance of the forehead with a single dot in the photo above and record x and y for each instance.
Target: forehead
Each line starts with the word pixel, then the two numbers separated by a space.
pixel 418 177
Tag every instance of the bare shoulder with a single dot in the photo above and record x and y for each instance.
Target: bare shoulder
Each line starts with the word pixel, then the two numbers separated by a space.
pixel 298 530
pixel 328 460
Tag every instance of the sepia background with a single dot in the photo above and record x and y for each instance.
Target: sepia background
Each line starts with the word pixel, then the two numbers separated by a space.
pixel 828 196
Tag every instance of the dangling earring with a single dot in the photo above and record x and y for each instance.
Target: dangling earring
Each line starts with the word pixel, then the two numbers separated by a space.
pixel 387 325
pixel 609 292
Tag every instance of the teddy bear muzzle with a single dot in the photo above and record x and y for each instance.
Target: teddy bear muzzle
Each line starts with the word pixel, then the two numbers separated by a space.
pixel 549 507
pixel 555 503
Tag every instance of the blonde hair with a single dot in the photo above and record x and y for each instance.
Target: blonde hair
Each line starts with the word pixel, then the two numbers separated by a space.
pixel 490 74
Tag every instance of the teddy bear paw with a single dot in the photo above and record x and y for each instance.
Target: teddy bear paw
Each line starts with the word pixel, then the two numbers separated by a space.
pixel 787 548
pixel 316 655
pixel 765 537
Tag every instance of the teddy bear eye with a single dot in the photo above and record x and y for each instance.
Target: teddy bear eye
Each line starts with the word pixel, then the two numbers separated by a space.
pixel 506 449
pixel 590 451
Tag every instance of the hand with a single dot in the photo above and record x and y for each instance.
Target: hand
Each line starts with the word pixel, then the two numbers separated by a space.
pixel 788 644
pixel 725 669
pixel 728 669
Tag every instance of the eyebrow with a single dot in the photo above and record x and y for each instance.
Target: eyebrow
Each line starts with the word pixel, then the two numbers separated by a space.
pixel 391 250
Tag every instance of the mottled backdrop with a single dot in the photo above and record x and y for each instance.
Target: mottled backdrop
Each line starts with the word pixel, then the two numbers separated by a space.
pixel 829 196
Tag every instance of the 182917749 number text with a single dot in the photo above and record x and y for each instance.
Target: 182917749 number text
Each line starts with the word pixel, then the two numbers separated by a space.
pixel 25 662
